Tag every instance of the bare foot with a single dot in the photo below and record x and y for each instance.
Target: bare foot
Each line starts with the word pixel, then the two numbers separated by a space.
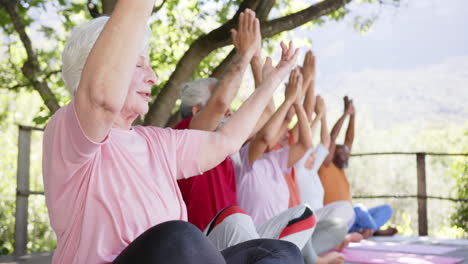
pixel 355 237
pixel 387 232
pixel 331 258
pixel 343 244
pixel 367 232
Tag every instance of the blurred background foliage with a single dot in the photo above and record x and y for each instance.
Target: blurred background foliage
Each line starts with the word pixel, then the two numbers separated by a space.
pixel 175 26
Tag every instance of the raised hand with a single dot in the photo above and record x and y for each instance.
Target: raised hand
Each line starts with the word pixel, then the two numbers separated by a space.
pixel 288 60
pixel 308 68
pixel 247 39
pixel 320 107
pixel 347 105
pixel 352 110
pixel 294 86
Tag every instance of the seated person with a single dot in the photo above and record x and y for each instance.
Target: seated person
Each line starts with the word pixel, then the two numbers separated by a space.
pixel 335 181
pixel 111 188
pixel 261 185
pixel 205 106
pixel 262 190
pixel 212 195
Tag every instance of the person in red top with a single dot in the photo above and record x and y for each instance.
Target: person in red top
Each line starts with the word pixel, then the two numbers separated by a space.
pixel 205 106
pixel 208 193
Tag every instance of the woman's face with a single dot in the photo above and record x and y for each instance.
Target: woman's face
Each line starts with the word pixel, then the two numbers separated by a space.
pixel 139 93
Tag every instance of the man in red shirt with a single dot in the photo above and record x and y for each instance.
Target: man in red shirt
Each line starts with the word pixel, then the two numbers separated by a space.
pixel 205 106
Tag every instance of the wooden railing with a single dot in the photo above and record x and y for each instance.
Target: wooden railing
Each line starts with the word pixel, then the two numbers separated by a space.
pixel 23 192
pixel 421 185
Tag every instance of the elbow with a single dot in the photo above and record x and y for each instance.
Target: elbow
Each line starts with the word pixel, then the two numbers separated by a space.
pixel 103 98
pixel 221 104
pixel 268 139
pixel 232 147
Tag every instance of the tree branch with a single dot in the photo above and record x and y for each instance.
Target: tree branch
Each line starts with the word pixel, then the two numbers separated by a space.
pixel 157 8
pixel 292 21
pixel 31 69
pixel 262 12
pixel 224 65
pixel 263 9
pixel 160 110
pixel 28 83
pixel 108 6
pixel 93 9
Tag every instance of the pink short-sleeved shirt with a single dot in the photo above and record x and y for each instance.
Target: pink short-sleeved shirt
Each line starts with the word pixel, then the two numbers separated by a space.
pixel 262 190
pixel 101 196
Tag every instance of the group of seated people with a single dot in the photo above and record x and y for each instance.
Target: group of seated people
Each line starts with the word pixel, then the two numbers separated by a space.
pixel 221 187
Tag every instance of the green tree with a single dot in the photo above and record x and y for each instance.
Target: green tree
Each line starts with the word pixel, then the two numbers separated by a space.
pixel 459 171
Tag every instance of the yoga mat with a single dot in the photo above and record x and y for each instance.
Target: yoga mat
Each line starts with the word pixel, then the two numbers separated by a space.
pixel 380 257
pixel 425 239
pixel 403 248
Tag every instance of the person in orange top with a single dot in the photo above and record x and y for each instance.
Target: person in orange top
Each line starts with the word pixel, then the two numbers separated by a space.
pixel 336 184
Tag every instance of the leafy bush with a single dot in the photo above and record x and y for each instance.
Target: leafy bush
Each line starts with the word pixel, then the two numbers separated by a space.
pixel 460 217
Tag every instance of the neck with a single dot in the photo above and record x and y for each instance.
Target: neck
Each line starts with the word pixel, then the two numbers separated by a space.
pixel 123 121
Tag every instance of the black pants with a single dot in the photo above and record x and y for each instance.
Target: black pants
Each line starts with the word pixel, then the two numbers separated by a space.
pixel 179 242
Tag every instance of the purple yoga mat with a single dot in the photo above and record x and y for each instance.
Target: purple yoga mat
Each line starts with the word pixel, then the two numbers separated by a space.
pixel 380 257
pixel 403 248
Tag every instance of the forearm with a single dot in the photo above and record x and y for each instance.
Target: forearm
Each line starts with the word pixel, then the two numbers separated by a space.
pixel 270 130
pixel 350 132
pixel 240 125
pixel 109 68
pixel 256 65
pixel 266 115
pixel 305 136
pixel 337 127
pixel 229 84
pixel 212 113
pixel 314 125
pixel 309 101
pixel 324 135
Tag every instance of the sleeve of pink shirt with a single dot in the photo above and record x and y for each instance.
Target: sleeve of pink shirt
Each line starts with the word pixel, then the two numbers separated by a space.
pixel 282 157
pixel 185 146
pixel 69 142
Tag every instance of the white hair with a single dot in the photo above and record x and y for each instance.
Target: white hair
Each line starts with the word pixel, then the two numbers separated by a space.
pixel 79 45
pixel 195 93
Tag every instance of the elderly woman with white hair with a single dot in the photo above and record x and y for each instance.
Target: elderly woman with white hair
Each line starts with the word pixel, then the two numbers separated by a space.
pixel 111 188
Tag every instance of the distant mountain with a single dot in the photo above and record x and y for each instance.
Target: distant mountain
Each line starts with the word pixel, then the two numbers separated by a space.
pixel 434 94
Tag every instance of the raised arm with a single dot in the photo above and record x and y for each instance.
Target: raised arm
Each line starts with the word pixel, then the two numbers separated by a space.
pixel 230 137
pixel 350 131
pixel 257 66
pixel 336 130
pixel 320 112
pixel 109 68
pixel 298 149
pixel 324 135
pixel 308 72
pixel 309 84
pixel 247 42
pixel 267 135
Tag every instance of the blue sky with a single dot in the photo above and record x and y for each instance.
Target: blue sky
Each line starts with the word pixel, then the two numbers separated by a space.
pixel 416 33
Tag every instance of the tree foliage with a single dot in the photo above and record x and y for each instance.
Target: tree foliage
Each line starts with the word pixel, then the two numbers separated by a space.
pixel 459 172
pixel 190 39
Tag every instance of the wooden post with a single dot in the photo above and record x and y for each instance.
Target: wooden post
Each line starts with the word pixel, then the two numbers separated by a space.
pixel 22 191
pixel 422 200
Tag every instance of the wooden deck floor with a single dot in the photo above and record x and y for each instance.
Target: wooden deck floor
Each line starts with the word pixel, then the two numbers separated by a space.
pixel 460 244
